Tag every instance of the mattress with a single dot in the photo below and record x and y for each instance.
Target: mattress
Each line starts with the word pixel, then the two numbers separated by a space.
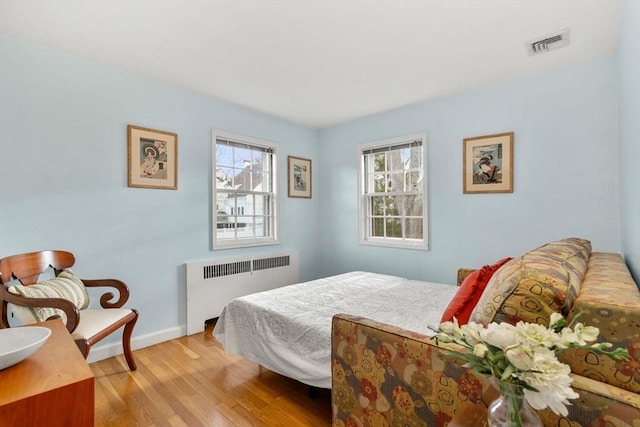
pixel 288 329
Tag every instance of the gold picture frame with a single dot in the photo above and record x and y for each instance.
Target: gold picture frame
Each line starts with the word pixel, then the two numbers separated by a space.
pixel 152 157
pixel 299 177
pixel 488 164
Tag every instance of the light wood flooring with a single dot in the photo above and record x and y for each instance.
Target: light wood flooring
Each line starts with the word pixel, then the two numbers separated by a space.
pixel 191 381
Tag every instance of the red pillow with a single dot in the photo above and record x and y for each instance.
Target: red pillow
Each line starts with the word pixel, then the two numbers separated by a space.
pixel 465 300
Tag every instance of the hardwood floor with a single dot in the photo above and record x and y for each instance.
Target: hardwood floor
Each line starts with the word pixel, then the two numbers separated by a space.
pixel 191 381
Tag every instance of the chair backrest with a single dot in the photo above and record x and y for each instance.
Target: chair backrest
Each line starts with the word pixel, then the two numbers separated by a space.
pixel 27 267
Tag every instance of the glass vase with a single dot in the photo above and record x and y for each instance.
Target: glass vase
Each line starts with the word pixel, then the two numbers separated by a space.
pixel 511 409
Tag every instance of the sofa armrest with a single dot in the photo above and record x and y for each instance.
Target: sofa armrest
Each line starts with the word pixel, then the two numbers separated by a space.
pixel 385 375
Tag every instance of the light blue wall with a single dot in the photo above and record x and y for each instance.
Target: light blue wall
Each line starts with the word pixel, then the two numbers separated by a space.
pixel 629 95
pixel 63 177
pixel 565 182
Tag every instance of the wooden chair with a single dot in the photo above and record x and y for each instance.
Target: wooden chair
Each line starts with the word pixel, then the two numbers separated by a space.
pixel 87 326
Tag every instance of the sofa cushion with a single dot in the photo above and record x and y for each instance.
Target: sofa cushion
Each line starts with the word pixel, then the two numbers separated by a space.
pixel 531 287
pixel 66 285
pixel 471 289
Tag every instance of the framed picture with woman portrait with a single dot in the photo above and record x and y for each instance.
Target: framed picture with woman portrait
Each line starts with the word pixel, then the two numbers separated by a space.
pixel 153 158
pixel 299 177
pixel 488 164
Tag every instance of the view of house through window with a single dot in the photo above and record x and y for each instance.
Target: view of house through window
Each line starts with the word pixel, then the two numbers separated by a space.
pixel 244 191
pixel 393 192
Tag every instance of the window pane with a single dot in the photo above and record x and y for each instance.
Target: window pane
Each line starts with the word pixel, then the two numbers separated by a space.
pixel 395 182
pixel 225 203
pixel 413 228
pixel 245 202
pixel 380 183
pixel 226 226
pixel 412 179
pixel 222 218
pixel 257 160
pixel 377 227
pixel 241 180
pixel 415 158
pixel 413 205
pixel 396 162
pixel 261 226
pixel 391 206
pixel 224 177
pixel 406 157
pixel 394 227
pixel 224 155
pixel 379 162
pixel 245 225
pixel 261 206
pixel 266 182
pixel 241 157
pixel 377 206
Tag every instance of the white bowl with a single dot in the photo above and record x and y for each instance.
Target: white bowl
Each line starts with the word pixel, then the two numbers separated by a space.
pixel 16 344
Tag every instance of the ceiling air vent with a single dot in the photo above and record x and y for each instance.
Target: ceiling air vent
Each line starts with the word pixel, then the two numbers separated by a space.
pixel 548 42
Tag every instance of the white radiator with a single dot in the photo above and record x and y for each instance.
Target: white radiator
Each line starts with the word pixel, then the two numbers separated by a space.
pixel 212 284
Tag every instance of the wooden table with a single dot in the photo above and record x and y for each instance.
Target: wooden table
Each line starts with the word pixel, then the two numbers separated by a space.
pixel 52 387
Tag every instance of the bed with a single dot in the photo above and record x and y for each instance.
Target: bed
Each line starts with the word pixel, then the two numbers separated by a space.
pixel 288 329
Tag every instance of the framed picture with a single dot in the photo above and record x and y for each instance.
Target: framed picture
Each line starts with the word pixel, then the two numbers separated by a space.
pixel 488 164
pixel 299 177
pixel 153 158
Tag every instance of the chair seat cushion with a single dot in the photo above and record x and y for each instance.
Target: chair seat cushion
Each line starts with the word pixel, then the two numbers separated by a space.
pixel 94 321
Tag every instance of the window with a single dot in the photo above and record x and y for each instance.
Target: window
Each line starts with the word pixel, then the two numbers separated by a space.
pixel 245 199
pixel 393 192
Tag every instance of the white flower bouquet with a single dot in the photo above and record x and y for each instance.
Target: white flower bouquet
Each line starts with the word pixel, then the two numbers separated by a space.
pixel 525 355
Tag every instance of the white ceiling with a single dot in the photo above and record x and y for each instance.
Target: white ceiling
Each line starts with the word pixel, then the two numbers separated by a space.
pixel 318 62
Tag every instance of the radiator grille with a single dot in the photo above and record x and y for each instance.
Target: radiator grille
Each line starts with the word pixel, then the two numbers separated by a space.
pixel 230 268
pixel 220 270
pixel 273 262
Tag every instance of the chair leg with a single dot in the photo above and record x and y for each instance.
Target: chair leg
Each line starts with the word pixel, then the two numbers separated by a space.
pixel 126 342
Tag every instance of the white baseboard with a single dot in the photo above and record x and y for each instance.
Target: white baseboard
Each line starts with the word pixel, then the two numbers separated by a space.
pixel 105 351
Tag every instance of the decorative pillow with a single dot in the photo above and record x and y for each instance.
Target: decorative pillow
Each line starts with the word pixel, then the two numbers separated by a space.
pixel 471 289
pixel 24 315
pixel 66 285
pixel 529 288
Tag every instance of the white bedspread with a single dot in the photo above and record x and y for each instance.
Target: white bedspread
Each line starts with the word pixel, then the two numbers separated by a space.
pixel 288 329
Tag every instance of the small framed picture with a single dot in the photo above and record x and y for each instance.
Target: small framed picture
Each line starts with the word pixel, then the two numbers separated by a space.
pixel 488 164
pixel 153 158
pixel 299 177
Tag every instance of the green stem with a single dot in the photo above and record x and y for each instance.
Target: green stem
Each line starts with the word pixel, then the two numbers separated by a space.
pixel 515 399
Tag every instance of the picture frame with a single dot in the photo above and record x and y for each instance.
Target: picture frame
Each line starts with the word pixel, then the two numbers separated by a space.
pixel 488 164
pixel 299 177
pixel 152 158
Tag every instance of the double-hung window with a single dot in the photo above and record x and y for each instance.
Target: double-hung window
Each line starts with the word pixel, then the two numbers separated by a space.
pixel 245 199
pixel 393 192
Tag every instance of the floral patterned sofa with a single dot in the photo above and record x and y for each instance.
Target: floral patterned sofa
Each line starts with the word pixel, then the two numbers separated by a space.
pixel 386 376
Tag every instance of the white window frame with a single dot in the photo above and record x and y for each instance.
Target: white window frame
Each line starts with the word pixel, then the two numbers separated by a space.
pixel 273 238
pixel 365 236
